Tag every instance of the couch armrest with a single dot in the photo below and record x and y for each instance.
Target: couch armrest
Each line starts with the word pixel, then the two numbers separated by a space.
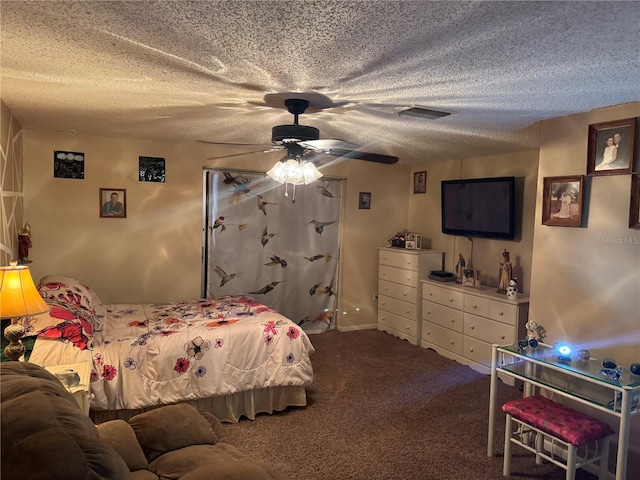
pixel 119 435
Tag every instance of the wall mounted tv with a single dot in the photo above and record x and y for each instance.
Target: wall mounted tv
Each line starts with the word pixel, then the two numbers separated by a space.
pixel 479 207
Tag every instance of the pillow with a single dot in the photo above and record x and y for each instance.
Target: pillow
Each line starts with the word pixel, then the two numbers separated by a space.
pixel 171 427
pixel 77 296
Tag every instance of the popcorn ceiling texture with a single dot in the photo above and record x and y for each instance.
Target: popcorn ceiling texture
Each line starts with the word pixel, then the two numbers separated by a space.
pixel 220 70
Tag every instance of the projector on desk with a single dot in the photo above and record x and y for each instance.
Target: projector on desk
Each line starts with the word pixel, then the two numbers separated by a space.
pixel 442 276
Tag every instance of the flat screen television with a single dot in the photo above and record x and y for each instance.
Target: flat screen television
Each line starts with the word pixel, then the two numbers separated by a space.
pixel 479 207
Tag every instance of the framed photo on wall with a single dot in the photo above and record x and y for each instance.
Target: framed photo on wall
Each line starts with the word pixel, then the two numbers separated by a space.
pixel 562 201
pixel 113 203
pixel 634 208
pixel 364 201
pixel 611 147
pixel 420 182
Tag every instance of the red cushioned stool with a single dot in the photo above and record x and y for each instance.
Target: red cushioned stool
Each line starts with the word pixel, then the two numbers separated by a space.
pixel 548 428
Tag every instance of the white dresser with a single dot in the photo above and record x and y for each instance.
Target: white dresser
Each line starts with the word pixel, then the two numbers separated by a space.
pixel 463 322
pixel 399 274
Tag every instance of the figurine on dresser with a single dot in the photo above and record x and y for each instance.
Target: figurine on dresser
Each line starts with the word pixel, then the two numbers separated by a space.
pixel 512 289
pixel 459 267
pixel 505 274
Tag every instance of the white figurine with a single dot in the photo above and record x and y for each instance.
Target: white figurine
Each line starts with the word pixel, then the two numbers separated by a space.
pixel 512 290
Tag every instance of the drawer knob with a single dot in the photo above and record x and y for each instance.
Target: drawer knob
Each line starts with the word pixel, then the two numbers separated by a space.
pixel 452 342
pixel 451 299
pixel 408 311
pixel 428 332
pixel 471 350
pixel 501 314
pixel 475 306
pixel 453 320
pixel 502 337
pixel 404 294
pixel 428 312
pixel 473 327
pixel 407 327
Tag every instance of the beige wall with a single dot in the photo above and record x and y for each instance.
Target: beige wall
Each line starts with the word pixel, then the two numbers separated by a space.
pixel 585 283
pixel 424 214
pixel 154 254
pixel 10 185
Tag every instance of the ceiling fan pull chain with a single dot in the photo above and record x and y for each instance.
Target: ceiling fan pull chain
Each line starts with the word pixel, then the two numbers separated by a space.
pixel 294 194
pixel 286 192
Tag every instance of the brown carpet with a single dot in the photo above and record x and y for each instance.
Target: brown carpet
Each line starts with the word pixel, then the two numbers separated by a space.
pixel 381 408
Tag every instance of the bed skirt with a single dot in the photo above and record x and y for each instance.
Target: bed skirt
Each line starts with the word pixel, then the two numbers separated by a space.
pixel 228 408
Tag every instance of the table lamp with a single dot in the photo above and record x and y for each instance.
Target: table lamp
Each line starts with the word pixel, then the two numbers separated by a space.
pixel 18 298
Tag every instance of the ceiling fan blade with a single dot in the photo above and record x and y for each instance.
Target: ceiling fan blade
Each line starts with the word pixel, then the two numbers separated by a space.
pixel 234 155
pixel 265 145
pixel 340 148
pixel 369 157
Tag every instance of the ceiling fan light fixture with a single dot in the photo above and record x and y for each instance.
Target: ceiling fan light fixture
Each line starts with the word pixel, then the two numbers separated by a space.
pixel 422 112
pixel 295 172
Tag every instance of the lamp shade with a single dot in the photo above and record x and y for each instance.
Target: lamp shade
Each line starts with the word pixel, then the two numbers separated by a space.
pixel 296 172
pixel 18 294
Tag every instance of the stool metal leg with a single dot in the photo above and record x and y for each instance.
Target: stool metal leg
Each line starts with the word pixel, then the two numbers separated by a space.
pixel 604 461
pixel 571 462
pixel 508 431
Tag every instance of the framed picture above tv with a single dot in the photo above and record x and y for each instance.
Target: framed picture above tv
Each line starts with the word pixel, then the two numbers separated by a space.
pixel 479 207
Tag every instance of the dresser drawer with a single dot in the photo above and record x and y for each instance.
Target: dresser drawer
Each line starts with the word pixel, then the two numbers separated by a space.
pixel 441 315
pixel 452 298
pixel 476 305
pixel 488 330
pixel 398 275
pixel 399 307
pixel 397 290
pixel 477 350
pixel 398 323
pixel 399 260
pixel 503 312
pixel 431 292
pixel 442 337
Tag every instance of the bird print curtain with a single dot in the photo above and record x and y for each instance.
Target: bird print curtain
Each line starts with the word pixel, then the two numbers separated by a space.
pixel 281 250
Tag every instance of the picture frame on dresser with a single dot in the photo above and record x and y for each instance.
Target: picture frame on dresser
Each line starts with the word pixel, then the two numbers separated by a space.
pixel 562 201
pixel 471 277
pixel 611 147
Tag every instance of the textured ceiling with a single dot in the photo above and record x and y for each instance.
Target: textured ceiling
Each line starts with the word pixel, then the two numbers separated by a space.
pixel 219 70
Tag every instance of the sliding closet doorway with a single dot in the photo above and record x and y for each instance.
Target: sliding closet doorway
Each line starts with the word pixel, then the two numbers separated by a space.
pixel 261 243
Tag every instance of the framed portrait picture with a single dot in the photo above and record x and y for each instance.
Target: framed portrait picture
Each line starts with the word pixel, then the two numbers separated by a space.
pixel 113 203
pixel 634 209
pixel 364 201
pixel 471 277
pixel 562 201
pixel 420 182
pixel 611 147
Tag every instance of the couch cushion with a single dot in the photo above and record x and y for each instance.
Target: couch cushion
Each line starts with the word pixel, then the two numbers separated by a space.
pixel 45 435
pixel 170 428
pixel 119 435
pixel 212 462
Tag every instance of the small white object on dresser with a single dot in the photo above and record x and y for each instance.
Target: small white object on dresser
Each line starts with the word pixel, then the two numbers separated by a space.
pixel 80 392
pixel 399 274
pixel 462 323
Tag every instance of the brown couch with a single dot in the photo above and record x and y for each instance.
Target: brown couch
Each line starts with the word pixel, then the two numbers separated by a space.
pixel 45 436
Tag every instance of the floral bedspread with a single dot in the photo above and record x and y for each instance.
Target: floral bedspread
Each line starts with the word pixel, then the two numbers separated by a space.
pixel 163 353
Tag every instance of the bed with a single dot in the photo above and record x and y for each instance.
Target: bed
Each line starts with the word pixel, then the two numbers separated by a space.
pixel 230 355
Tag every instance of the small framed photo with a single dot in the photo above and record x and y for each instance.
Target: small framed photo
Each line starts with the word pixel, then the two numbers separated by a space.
pixel 634 209
pixel 562 201
pixel 151 169
pixel 420 182
pixel 471 277
pixel 611 147
pixel 113 203
pixel 68 164
pixel 364 201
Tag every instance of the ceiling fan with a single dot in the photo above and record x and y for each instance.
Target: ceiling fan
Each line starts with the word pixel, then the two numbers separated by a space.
pixel 302 142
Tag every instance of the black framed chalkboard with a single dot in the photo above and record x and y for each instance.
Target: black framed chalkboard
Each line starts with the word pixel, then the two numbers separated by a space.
pixel 68 164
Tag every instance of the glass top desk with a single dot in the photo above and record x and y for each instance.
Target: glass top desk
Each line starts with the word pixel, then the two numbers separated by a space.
pixel 580 381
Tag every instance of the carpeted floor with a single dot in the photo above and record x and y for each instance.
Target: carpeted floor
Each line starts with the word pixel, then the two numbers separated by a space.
pixel 381 408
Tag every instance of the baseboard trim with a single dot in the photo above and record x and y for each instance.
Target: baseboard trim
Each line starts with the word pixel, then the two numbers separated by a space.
pixel 352 328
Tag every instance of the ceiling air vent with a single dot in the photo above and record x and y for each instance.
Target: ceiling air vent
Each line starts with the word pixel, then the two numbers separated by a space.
pixel 422 112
